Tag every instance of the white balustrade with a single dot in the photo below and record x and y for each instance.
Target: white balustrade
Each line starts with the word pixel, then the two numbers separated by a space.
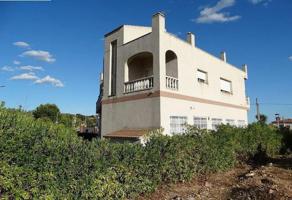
pixel 139 84
pixel 171 83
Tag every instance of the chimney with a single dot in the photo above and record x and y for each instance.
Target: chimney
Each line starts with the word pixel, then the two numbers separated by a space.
pixel 158 22
pixel 101 77
pixel 223 56
pixel 191 38
pixel 244 68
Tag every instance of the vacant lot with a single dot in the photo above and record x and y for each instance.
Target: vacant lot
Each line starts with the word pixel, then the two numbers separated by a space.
pixel 263 182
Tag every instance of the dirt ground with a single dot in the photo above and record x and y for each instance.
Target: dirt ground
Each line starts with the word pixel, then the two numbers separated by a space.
pixel 272 181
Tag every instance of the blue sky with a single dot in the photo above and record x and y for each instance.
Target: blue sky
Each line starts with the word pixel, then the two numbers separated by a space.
pixel 52 51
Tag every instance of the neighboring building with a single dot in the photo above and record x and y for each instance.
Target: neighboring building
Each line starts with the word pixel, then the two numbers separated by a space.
pixel 283 123
pixel 154 79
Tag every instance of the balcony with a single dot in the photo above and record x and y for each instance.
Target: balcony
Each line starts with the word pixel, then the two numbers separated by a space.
pixel 138 85
pixel 171 83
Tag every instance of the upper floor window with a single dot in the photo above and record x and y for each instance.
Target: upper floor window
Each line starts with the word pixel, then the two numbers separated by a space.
pixel 200 122
pixel 216 122
pixel 225 85
pixel 202 76
pixel 178 124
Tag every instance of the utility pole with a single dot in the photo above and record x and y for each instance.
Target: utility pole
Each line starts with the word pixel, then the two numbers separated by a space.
pixel 258 109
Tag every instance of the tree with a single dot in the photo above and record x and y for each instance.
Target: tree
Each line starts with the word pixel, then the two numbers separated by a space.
pixel 263 119
pixel 47 111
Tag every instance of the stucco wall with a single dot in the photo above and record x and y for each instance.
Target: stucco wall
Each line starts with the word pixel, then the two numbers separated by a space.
pixel 176 107
pixel 138 114
pixel 155 112
pixel 190 59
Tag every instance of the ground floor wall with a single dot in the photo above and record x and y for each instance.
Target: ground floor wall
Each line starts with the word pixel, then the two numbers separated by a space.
pixel 134 114
pixel 171 107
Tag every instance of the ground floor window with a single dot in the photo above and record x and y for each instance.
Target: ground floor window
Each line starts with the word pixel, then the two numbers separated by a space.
pixel 200 122
pixel 241 123
pixel 216 122
pixel 178 124
pixel 231 122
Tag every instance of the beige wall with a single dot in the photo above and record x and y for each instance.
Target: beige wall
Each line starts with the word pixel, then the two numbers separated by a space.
pixel 137 114
pixel 190 109
pixel 155 112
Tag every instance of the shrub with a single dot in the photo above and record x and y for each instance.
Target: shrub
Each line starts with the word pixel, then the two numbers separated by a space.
pixel 42 160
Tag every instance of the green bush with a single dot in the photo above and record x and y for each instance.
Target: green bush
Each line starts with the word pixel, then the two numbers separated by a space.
pixel 42 160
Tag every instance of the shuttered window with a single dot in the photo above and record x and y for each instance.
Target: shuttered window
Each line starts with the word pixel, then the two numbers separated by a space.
pixel 225 85
pixel 202 76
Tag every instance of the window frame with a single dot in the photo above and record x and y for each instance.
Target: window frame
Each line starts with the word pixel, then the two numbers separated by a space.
pixel 178 126
pixel 225 91
pixel 228 122
pixel 241 123
pixel 202 80
pixel 217 124
pixel 200 125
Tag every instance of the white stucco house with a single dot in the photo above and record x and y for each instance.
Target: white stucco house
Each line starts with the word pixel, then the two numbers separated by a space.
pixel 153 79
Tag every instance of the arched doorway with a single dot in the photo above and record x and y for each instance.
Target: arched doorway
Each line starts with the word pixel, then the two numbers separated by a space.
pixel 171 65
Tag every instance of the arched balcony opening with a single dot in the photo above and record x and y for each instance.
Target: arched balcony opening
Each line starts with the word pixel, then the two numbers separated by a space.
pixel 171 65
pixel 139 72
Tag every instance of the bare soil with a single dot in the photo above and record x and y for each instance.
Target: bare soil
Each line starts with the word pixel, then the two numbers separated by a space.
pixel 272 181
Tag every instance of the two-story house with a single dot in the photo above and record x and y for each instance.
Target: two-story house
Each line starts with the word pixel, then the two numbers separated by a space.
pixel 153 79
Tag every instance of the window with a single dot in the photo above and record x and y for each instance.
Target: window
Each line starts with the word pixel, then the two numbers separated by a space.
pixel 200 122
pixel 225 86
pixel 177 124
pixel 241 123
pixel 231 122
pixel 202 76
pixel 113 68
pixel 215 123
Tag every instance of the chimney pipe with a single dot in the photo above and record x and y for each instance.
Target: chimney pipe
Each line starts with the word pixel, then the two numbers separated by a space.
pixel 223 56
pixel 101 77
pixel 158 22
pixel 191 38
pixel 244 68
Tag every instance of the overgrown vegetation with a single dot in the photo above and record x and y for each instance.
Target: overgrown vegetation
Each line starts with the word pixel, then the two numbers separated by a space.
pixel 51 112
pixel 42 160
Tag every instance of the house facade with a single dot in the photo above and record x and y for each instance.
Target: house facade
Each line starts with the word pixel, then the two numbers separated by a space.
pixel 153 79
pixel 283 123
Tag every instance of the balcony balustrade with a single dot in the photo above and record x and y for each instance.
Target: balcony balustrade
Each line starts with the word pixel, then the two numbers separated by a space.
pixel 171 83
pixel 139 84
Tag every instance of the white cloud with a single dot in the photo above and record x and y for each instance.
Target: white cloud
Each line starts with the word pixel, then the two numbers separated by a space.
pixel 259 1
pixel 39 55
pixel 7 69
pixel 50 80
pixel 213 14
pixel 25 76
pixel 21 44
pixel 290 58
pixel 16 62
pixel 31 68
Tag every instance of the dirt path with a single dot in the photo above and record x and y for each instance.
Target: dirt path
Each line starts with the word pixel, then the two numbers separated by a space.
pixel 269 182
